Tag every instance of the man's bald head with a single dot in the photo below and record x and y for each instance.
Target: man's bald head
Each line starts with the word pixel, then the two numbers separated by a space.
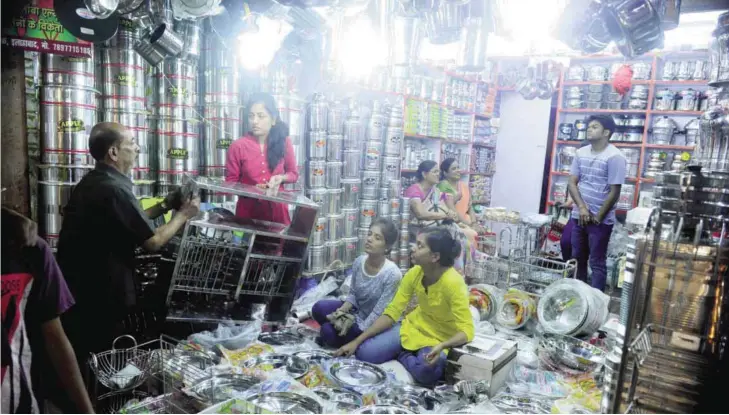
pixel 103 136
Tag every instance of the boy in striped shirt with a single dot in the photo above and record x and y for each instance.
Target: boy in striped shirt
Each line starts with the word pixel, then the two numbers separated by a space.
pixel 598 172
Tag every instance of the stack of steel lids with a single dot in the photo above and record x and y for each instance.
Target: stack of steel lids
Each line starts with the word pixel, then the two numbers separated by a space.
pixel 68 110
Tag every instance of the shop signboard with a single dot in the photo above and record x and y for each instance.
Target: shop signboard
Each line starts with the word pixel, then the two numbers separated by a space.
pixel 37 29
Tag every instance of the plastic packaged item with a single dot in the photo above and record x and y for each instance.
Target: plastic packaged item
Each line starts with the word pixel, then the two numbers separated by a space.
pixel 305 303
pixel 229 336
pixel 516 309
pixel 485 299
pixel 527 381
pixel 509 401
pixel 238 357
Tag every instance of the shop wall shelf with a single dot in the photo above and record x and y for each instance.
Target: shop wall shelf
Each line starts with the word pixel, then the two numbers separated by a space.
pixel 657 60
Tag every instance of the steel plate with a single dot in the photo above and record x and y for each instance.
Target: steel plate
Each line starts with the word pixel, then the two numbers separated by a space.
pixel 358 374
pixel 221 387
pixel 280 338
pixel 286 403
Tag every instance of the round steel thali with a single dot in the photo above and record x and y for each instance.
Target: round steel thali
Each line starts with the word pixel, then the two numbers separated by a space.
pixel 222 387
pixel 357 374
pixel 280 338
pixel 344 399
pixel 314 356
pixel 383 409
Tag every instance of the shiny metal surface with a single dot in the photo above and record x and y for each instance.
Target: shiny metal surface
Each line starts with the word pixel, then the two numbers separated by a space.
pixel 221 387
pixel 52 198
pixel 444 23
pixel 67 70
pixel 333 174
pixel 317 145
pixel 316 259
pixel 178 144
pixel 296 367
pixel 636 27
pixel 67 115
pixel 191 34
pixel 358 374
pixel 176 88
pixel 286 403
pixel 383 409
pixel 345 400
pixel 280 338
pixel 370 184
pixel 123 73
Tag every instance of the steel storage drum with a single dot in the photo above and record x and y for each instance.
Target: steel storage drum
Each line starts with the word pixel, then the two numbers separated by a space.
pixel 335 200
pixel 333 174
pixel 178 146
pixel 351 192
pixel 372 155
pixel 393 142
pixel 383 193
pixel 334 147
pixel 335 119
pixel 350 250
pixel 317 145
pixel 320 196
pixel 367 212
pixel 176 89
pixel 390 169
pixel 335 227
pixel 67 116
pixel 334 251
pixel 190 31
pixel 396 219
pixel 221 84
pixel 318 113
pixel 315 174
pixel 123 73
pixel 351 222
pixel 351 166
pixel 395 187
pixel 52 198
pixel 315 262
pixel 220 131
pixel 370 184
pixel 67 70
pixel 59 173
pixel 395 206
pixel 383 207
pixel 404 258
pixel 320 233
pixel 375 128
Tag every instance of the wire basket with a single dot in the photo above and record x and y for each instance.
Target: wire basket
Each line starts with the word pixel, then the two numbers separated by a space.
pixel 267 275
pixel 533 274
pixel 114 402
pixel 122 369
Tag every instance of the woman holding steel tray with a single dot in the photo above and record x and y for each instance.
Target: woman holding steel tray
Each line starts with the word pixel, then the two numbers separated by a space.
pixel 441 320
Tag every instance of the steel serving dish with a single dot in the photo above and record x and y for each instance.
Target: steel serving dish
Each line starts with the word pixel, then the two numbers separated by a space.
pixel 414 398
pixel 280 338
pixel 344 399
pixel 295 366
pixel 286 403
pixel 354 373
pixel 384 409
pixel 222 387
pixel 570 353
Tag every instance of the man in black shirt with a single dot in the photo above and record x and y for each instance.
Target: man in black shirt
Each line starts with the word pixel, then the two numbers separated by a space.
pixel 102 226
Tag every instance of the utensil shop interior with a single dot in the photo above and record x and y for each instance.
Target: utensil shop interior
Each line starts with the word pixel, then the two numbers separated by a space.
pixel 365 206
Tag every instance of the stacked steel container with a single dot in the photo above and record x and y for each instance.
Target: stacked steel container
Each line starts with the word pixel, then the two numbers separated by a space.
pixel 177 119
pixel 221 108
pixel 316 189
pixel 123 95
pixel 68 110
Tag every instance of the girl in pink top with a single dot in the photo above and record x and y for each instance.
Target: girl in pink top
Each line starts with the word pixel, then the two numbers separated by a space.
pixel 263 157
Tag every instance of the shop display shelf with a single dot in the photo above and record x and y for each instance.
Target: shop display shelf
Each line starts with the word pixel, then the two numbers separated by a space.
pixel 422 137
pixel 608 82
pixel 459 142
pixel 478 173
pixel 670 147
pixel 599 111
pixel 484 145
pixel 702 82
pixel 616 144
pixel 687 113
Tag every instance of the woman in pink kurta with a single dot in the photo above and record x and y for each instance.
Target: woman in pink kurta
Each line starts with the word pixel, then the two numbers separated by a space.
pixel 263 157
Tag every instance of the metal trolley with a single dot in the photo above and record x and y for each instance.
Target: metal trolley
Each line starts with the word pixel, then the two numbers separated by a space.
pixel 228 267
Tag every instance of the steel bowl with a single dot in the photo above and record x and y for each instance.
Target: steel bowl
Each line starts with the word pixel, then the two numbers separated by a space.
pixel 314 356
pixel 570 353
pixel 411 397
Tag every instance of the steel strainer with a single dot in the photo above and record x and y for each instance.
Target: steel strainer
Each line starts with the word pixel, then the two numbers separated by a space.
pixel 122 369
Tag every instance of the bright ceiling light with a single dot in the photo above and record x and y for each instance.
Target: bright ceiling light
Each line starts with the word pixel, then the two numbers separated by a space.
pixel 258 45
pixel 361 49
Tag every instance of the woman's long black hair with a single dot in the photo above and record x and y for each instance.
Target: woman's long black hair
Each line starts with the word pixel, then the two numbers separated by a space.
pixel 279 131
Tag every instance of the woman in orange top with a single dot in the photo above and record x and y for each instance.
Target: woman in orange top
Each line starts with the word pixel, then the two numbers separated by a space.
pixel 263 157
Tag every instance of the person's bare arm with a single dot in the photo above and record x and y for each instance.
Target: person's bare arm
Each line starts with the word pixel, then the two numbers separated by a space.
pixel 164 233
pixel 421 213
pixel 64 362
pixel 608 204
pixel 153 212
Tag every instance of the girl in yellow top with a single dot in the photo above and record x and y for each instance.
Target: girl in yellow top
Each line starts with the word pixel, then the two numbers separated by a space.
pixel 441 320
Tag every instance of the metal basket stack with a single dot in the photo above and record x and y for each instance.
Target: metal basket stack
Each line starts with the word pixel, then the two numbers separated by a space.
pixel 176 124
pixel 68 110
pixel 124 100
pixel 221 108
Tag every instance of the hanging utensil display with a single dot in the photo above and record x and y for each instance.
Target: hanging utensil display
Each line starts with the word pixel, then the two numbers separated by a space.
pixel 83 23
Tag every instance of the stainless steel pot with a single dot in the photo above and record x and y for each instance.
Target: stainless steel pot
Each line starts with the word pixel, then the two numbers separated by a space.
pixel 373 155
pixel 574 92
pixel 639 92
pixel 635 26
pixel 575 103
pixel 637 104
pixel 719 54
pixel 320 196
pixel 687 100
pixel 315 176
pixel 367 212
pixel 576 73
pixel 663 131
pixel 52 198
pixel 318 113
pixel 597 73
pixel 333 174
pixel 191 34
pixel 334 147
pixel 370 184
pixel 665 100
pixel 317 145
pixel 641 71
pixel 351 222
pixel 444 24
pixel 692 131
pixel 670 70
pixel 123 74
pixel 712 148
pixel 67 116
